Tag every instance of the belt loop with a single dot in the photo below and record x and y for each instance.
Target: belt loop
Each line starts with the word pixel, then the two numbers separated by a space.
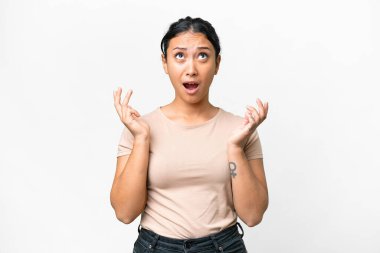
pixel 241 228
pixel 139 228
pixel 154 242
pixel 217 247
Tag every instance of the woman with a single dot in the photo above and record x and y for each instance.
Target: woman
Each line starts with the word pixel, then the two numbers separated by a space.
pixel 188 167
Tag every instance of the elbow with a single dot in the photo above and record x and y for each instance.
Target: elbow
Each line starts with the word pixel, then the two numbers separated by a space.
pixel 256 217
pixel 125 219
pixel 122 215
pixel 125 216
pixel 254 221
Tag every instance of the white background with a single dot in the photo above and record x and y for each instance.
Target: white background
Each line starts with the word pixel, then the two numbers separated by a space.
pixel 316 62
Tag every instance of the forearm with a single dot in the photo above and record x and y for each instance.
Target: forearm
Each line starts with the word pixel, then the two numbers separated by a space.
pixel 129 195
pixel 250 197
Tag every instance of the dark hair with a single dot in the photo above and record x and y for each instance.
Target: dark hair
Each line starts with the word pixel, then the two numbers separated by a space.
pixel 196 25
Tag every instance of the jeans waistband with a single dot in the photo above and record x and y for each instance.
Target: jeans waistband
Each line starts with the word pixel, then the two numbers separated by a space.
pixel 217 240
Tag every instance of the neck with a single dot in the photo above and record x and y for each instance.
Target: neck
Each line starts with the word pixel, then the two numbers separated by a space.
pixel 180 110
pixel 191 109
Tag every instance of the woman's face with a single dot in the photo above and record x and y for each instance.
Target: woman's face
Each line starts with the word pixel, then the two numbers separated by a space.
pixel 191 66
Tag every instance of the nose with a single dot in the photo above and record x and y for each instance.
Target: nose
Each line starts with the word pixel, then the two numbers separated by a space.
pixel 191 69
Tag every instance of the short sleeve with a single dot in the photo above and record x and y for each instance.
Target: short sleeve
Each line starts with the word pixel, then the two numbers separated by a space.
pixel 125 143
pixel 252 148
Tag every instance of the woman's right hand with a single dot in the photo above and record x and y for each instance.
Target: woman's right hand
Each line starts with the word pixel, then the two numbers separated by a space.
pixel 129 116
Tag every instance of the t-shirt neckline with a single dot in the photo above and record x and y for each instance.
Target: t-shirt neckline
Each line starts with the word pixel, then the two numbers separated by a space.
pixel 181 125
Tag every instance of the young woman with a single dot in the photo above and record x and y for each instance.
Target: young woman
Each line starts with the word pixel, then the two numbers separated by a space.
pixel 189 167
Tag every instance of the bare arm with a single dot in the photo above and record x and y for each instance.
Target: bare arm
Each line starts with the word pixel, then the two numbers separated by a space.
pixel 250 193
pixel 129 192
pixel 249 187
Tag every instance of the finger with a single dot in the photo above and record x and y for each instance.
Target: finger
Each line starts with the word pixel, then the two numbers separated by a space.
pixel 247 121
pixel 246 117
pixel 266 107
pixel 133 111
pixel 254 113
pixel 135 114
pixel 127 97
pixel 118 95
pixel 251 123
pixel 116 98
pixel 115 94
pixel 261 109
pixel 250 107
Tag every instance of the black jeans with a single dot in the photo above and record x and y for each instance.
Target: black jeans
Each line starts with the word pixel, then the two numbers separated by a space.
pixel 228 240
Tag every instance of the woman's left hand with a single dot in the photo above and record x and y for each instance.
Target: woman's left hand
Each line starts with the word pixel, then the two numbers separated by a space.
pixel 252 120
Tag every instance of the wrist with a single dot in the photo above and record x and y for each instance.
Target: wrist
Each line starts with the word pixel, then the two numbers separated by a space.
pixel 234 148
pixel 142 139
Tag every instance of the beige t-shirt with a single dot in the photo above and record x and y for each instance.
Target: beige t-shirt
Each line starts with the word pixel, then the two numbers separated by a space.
pixel 189 182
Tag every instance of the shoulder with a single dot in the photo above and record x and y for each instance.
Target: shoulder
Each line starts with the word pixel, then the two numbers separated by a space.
pixel 230 117
pixel 151 116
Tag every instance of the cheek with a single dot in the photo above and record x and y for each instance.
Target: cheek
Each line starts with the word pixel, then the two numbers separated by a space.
pixel 174 74
pixel 209 73
pixel 174 70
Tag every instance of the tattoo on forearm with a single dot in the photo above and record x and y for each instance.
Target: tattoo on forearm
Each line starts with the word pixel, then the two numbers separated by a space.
pixel 232 166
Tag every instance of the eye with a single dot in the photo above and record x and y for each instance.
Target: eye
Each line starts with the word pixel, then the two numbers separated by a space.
pixel 203 55
pixel 179 55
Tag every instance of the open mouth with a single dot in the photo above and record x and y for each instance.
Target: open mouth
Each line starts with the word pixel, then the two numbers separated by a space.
pixel 190 85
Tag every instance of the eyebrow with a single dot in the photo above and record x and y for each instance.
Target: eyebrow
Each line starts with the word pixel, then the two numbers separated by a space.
pixel 184 48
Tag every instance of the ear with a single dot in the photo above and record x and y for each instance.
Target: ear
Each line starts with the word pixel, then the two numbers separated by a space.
pixel 218 59
pixel 164 63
